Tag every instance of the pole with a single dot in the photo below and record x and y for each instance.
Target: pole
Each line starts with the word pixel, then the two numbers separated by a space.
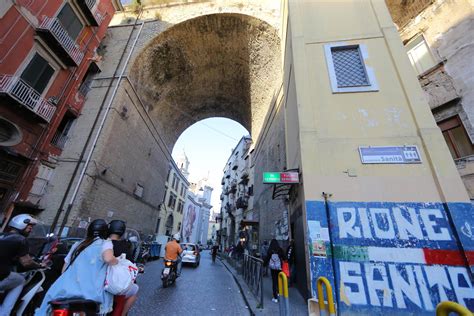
pixel 99 130
pixel 326 196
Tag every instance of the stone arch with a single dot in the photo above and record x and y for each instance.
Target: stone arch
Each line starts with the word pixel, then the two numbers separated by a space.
pixel 218 65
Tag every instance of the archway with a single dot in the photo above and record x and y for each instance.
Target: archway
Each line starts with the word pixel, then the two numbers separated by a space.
pixel 225 65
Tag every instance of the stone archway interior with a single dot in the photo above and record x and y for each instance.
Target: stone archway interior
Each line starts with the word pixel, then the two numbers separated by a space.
pixel 219 65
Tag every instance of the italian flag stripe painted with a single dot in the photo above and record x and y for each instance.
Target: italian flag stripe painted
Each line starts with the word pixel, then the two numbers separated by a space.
pixel 403 255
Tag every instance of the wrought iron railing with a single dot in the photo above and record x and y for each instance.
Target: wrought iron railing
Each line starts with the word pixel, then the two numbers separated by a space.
pixel 61 35
pixel 252 272
pixel 23 93
pixel 59 139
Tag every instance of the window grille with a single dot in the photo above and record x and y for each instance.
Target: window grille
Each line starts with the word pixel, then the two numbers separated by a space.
pixel 349 67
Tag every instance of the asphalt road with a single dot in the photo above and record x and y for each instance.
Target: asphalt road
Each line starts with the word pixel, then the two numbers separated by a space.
pixel 206 290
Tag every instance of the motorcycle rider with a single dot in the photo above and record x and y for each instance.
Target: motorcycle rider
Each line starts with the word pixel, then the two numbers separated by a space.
pixel 173 251
pixel 214 251
pixel 14 247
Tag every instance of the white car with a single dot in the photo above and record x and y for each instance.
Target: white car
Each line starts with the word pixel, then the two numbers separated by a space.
pixel 191 254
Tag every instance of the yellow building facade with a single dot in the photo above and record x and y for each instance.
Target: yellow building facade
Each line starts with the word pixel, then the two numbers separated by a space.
pixel 386 217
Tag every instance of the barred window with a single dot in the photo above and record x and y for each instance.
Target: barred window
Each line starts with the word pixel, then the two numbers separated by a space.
pixel 347 69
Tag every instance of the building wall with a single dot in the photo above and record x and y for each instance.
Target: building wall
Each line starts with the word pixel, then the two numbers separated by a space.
pixel 331 127
pixel 449 87
pixel 20 41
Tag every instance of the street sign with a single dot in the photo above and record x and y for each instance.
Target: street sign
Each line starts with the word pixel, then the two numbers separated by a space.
pixel 389 155
pixel 281 177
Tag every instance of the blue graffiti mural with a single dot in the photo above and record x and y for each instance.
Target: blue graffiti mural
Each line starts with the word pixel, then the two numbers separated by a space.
pixel 392 258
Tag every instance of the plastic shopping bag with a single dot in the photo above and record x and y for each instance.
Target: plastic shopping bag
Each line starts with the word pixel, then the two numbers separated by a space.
pixel 285 267
pixel 121 276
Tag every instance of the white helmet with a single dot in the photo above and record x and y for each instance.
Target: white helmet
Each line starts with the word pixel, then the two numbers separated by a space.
pixel 177 236
pixel 21 221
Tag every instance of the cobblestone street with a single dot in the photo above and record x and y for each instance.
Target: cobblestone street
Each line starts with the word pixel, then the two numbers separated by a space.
pixel 206 290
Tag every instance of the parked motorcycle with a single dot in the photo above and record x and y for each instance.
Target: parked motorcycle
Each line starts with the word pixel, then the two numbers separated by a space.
pixel 169 272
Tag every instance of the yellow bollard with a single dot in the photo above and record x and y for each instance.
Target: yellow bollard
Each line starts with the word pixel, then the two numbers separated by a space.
pixel 283 292
pixel 322 306
pixel 446 307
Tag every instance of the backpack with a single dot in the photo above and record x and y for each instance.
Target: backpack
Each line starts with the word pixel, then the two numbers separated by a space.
pixel 275 263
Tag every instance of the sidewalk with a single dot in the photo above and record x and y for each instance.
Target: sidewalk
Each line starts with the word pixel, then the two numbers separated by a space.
pixel 298 306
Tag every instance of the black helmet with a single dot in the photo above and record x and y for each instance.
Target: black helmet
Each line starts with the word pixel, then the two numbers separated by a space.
pixel 117 227
pixel 97 228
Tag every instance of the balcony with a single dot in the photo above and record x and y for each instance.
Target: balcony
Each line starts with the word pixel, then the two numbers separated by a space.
pixel 242 202
pixel 56 36
pixel 93 17
pixel 21 92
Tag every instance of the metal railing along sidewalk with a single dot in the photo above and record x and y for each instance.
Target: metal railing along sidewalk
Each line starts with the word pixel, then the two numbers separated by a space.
pixel 252 272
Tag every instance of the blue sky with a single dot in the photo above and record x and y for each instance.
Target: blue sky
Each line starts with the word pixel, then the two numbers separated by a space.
pixel 208 144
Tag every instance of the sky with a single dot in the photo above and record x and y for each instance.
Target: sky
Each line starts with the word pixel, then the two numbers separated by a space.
pixel 208 145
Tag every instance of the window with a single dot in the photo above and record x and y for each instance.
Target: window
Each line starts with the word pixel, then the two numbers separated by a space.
pixel 70 21
pixel 420 55
pixel 38 73
pixel 60 137
pixel 172 201
pixel 180 207
pixel 347 69
pixel 183 189
pixel 138 192
pixel 456 137
pixel 175 181
pixel 158 225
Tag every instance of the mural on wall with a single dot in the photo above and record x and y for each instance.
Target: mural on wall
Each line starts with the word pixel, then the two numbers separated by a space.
pixel 189 223
pixel 395 258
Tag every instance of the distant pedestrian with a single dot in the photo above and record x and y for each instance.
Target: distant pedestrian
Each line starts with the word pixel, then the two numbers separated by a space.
pixel 290 257
pixel 274 259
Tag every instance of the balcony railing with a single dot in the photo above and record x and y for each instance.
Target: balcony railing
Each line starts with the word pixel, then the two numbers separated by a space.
pixel 21 92
pixel 53 27
pixel 59 140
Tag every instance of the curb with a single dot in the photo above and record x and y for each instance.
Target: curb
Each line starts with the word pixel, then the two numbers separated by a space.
pixel 251 311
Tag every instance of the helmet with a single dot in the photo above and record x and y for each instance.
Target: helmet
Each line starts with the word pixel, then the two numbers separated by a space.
pixel 97 228
pixel 117 227
pixel 21 221
pixel 177 236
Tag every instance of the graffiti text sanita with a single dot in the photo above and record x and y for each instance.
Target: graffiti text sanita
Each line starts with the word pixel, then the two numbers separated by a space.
pixel 404 286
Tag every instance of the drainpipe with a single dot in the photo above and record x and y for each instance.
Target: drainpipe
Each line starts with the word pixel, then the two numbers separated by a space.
pixel 101 126
pixel 66 194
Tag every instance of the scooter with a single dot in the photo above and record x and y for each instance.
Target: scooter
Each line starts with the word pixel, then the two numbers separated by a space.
pixel 169 272
pixel 26 302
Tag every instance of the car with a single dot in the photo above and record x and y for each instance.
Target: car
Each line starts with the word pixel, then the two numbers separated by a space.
pixel 191 254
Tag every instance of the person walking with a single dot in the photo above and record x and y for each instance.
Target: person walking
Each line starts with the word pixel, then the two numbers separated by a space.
pixel 84 271
pixel 116 230
pixel 274 259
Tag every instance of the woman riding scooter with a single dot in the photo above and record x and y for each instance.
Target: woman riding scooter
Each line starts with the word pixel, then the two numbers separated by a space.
pixel 84 271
